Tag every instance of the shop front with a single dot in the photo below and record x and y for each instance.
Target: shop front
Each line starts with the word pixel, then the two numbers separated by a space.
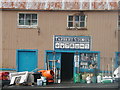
pixel 72 55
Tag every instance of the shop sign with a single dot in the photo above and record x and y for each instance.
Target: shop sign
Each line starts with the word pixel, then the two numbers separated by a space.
pixel 72 42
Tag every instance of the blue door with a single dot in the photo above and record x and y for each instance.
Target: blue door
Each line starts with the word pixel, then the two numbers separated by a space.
pixel 26 60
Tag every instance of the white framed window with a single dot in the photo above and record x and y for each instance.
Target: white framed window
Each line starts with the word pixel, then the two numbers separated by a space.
pixel 28 20
pixel 76 21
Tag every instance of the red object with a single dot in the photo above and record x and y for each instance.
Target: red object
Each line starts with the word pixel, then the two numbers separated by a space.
pixel 4 75
pixel 48 74
pixel 50 81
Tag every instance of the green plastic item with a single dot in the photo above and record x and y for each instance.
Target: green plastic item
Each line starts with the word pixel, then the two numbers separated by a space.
pixel 83 81
pixel 77 78
pixel 94 79
pixel 106 81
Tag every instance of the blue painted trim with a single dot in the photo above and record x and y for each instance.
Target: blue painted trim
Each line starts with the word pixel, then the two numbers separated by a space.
pixel 116 56
pixel 74 68
pixel 106 72
pixel 8 69
pixel 45 57
pixel 28 50
pixel 98 61
pixel 41 69
pixel 73 51
pixel 86 70
pixel 116 59
pixel 36 58
pixel 91 70
pixel 17 56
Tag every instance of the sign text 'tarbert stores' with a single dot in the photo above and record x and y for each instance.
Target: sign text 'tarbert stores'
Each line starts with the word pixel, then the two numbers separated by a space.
pixel 72 42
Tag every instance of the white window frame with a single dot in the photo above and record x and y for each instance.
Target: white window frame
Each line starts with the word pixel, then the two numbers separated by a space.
pixel 68 21
pixel 74 21
pixel 26 26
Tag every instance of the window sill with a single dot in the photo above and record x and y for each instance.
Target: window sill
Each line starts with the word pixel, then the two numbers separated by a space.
pixel 27 27
pixel 76 28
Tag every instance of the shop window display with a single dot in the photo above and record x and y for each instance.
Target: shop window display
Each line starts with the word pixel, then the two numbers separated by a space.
pixel 88 60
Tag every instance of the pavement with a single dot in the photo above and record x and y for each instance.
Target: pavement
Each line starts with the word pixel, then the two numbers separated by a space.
pixel 77 86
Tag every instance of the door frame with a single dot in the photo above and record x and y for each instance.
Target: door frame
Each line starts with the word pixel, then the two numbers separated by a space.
pixel 72 63
pixel 25 50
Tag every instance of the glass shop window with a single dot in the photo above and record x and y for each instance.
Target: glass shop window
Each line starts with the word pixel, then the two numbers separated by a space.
pixel 88 60
pixel 77 21
pixel 28 19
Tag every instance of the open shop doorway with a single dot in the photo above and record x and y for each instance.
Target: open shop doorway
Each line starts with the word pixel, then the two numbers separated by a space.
pixel 67 61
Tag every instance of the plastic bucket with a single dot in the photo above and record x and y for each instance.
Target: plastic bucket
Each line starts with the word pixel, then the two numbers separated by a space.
pixel 39 82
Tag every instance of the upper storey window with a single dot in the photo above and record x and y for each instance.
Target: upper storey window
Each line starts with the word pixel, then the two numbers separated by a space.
pixel 76 21
pixel 28 20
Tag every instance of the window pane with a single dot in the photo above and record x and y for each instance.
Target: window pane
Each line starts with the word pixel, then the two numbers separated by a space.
pixel 70 24
pixel 76 24
pixel 76 18
pixel 70 18
pixel 34 16
pixel 82 18
pixel 21 22
pixel 34 22
pixel 27 22
pixel 21 16
pixel 28 16
pixel 82 24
